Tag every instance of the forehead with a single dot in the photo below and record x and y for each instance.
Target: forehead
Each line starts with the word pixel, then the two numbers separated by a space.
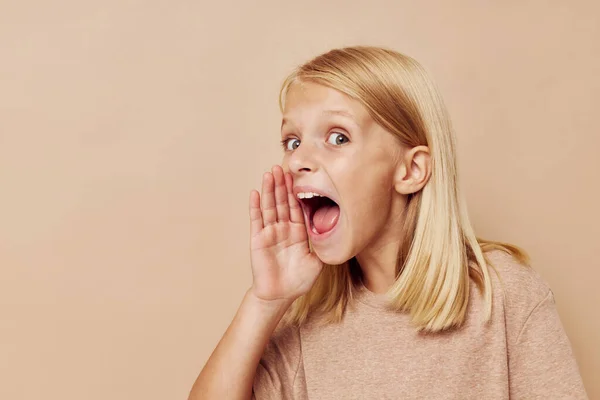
pixel 312 99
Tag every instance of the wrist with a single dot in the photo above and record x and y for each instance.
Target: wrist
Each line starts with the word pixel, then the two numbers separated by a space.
pixel 275 306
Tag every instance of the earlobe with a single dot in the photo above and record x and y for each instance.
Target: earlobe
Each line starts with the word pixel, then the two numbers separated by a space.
pixel 414 170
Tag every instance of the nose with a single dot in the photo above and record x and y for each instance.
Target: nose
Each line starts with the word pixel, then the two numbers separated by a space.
pixel 302 160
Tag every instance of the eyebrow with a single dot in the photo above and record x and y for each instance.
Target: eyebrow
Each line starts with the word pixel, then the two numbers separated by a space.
pixel 343 113
pixel 284 121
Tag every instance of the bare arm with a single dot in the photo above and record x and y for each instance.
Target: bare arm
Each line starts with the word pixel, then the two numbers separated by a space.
pixel 229 372
pixel 283 269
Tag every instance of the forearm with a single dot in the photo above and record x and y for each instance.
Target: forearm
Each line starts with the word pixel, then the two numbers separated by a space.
pixel 229 372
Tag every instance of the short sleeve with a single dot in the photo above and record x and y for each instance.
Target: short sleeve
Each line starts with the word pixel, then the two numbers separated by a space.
pixel 280 373
pixel 541 361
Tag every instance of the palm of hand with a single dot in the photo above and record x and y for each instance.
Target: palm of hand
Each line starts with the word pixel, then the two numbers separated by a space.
pixel 282 265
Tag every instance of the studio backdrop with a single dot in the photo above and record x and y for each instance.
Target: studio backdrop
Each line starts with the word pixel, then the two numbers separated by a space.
pixel 131 133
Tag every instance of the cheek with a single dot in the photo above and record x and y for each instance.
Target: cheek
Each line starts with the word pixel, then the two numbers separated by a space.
pixel 285 163
pixel 365 181
pixel 372 202
pixel 370 196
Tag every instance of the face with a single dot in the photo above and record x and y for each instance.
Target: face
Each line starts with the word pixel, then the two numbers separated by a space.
pixel 344 167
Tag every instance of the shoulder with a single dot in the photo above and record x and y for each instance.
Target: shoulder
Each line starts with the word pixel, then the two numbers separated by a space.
pixel 518 282
pixel 518 288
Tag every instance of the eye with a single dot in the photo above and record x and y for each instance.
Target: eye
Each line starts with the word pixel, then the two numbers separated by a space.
pixel 337 139
pixel 290 144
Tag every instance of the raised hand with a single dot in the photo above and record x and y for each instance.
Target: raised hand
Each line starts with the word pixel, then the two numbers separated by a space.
pixel 283 267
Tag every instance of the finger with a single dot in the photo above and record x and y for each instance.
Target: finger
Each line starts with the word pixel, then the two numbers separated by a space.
pixel 296 214
pixel 281 199
pixel 256 222
pixel 269 212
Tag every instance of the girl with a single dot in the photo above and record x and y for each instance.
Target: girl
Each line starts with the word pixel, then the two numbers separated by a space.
pixel 368 280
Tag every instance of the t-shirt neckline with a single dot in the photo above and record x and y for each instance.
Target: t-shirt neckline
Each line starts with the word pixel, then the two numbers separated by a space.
pixel 371 299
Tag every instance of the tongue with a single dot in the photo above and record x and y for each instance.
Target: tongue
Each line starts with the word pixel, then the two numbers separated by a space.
pixel 326 217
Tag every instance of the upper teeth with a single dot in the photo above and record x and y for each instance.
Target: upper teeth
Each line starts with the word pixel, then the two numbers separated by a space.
pixel 308 195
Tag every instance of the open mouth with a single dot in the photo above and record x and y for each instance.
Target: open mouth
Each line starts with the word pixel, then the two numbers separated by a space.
pixel 321 212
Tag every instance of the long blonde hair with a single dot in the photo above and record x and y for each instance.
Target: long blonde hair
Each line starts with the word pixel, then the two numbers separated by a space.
pixel 440 253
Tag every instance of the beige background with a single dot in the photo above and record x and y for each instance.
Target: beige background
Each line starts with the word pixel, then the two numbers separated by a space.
pixel 131 133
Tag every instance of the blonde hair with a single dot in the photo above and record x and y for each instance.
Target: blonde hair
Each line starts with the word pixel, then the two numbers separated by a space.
pixel 440 252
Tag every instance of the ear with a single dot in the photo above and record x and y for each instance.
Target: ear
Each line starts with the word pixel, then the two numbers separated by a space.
pixel 414 170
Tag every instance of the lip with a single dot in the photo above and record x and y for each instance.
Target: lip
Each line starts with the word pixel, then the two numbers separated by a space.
pixel 315 237
pixel 312 189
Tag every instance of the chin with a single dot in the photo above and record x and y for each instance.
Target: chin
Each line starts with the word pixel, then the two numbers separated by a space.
pixel 332 256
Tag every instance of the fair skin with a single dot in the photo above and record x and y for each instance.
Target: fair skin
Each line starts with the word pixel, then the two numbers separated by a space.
pixel 332 147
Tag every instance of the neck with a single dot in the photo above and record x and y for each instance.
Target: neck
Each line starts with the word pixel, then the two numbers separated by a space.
pixel 378 266
pixel 378 260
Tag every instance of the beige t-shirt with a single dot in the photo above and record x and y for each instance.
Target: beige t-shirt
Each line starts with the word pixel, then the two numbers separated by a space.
pixel 374 353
